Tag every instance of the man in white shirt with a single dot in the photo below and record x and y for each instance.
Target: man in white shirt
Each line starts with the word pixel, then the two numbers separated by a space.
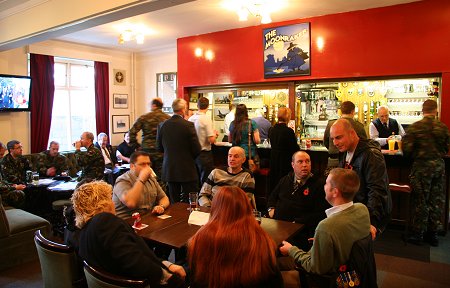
pixel 206 136
pixel 227 122
pixel 382 128
pixel 108 155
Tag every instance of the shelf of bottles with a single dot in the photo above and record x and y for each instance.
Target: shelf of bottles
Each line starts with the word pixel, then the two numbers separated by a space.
pixel 316 103
pixel 266 100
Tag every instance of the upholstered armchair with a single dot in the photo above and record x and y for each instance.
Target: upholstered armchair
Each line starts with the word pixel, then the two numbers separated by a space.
pixel 17 229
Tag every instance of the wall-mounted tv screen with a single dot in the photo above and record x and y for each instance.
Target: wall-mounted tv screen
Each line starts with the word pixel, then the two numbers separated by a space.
pixel 15 92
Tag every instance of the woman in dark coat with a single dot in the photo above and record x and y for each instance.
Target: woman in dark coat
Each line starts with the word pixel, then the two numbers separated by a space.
pixel 284 144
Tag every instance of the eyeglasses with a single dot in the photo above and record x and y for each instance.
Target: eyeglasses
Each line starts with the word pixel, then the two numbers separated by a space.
pixel 18 148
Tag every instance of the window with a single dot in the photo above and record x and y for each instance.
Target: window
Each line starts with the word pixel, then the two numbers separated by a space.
pixel 74 101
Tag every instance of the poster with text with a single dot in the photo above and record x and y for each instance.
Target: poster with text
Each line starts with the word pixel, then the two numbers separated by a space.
pixel 287 50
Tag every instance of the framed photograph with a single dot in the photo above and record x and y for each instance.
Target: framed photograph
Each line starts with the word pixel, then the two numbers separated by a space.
pixel 287 50
pixel 120 77
pixel 120 101
pixel 120 123
pixel 220 113
pixel 222 98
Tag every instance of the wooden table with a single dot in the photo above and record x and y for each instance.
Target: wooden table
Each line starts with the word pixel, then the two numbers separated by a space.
pixel 174 232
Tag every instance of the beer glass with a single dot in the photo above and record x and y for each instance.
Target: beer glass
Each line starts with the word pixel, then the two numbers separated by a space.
pixel 257 215
pixel 193 199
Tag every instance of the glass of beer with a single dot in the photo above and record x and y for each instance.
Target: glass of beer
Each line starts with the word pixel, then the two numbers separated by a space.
pixel 193 199
pixel 35 179
pixel 391 143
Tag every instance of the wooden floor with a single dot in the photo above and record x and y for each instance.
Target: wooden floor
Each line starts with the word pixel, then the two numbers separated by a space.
pixel 392 271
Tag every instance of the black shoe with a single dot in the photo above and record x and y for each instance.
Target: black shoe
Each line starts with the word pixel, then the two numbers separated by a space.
pixel 415 238
pixel 431 237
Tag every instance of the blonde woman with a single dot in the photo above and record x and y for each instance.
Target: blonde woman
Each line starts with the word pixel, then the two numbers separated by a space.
pixel 108 242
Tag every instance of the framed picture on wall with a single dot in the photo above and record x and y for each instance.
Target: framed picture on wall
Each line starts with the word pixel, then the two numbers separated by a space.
pixel 120 101
pixel 120 123
pixel 287 50
pixel 120 77
pixel 166 88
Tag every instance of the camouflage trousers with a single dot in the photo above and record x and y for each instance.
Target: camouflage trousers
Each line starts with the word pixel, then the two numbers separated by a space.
pixel 428 195
pixel 157 161
pixel 14 198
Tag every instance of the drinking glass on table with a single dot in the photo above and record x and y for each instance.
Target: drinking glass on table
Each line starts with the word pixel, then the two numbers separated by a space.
pixel 35 178
pixel 193 199
pixel 119 161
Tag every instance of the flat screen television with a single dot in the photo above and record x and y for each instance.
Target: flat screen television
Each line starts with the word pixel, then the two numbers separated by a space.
pixel 15 92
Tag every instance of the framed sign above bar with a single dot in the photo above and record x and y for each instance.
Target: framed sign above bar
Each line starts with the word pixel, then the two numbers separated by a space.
pixel 287 50
pixel 120 123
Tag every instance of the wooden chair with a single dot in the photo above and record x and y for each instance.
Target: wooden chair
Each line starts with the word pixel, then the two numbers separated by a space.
pixel 59 263
pixel 405 190
pixel 98 278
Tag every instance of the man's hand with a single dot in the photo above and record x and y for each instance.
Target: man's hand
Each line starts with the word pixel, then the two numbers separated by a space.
pixel 145 173
pixel 271 213
pixel 158 210
pixel 51 171
pixel 285 248
pixel 19 186
pixel 77 145
pixel 177 269
pixel 373 231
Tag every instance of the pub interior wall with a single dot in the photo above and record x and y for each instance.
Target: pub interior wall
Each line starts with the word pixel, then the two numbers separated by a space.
pixel 401 40
pixel 140 85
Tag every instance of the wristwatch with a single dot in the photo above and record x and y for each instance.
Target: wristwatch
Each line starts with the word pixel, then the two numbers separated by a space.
pixel 270 209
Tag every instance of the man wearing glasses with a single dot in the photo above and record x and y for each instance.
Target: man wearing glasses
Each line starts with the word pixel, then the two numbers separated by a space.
pixel 14 165
pixel 365 158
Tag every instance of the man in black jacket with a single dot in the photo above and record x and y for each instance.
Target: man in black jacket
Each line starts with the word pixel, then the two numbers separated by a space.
pixel 365 157
pixel 176 137
pixel 299 197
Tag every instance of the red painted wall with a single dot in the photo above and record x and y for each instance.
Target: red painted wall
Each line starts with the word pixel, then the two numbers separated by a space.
pixel 400 40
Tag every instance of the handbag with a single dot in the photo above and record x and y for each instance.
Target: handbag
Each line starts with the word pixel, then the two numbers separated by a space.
pixel 252 165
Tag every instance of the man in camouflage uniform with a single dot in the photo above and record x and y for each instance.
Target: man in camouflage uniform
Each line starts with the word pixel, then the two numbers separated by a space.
pixel 52 163
pixel 12 194
pixel 148 123
pixel 2 150
pixel 14 165
pixel 91 161
pixel 426 141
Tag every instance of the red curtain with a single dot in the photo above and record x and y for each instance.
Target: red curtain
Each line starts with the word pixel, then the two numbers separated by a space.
pixel 42 92
pixel 102 97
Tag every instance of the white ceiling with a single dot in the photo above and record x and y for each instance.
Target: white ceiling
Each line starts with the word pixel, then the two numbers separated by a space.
pixel 203 16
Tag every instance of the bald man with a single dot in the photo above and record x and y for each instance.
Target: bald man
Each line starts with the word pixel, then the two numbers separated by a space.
pixel 365 158
pixel 233 175
pixel 382 128
pixel 299 197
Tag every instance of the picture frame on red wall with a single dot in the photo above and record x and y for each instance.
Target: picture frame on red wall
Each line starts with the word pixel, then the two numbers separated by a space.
pixel 287 50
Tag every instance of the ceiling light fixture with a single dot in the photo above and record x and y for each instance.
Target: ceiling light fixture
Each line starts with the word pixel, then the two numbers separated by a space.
pixel 258 8
pixel 129 35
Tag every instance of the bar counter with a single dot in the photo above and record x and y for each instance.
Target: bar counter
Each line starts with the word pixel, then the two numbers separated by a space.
pixel 398 168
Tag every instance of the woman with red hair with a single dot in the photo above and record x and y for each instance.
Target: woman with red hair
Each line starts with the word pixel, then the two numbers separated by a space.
pixel 232 250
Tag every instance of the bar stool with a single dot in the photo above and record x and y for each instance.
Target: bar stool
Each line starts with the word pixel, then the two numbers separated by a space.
pixel 57 219
pixel 262 187
pixel 402 189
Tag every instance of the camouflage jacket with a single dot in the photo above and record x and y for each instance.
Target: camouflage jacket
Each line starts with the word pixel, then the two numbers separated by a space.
pixel 91 162
pixel 427 139
pixel 5 186
pixel 59 162
pixel 14 170
pixel 148 123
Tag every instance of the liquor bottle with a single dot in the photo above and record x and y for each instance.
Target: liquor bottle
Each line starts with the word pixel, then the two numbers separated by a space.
pixel 365 108
pixel 372 110
pixel 356 113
